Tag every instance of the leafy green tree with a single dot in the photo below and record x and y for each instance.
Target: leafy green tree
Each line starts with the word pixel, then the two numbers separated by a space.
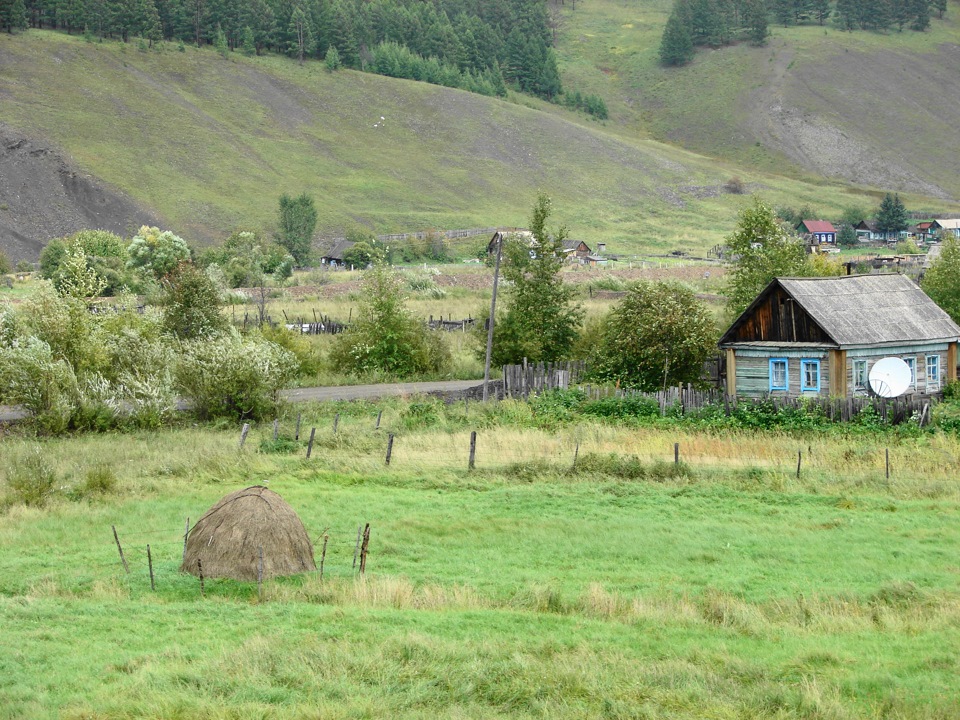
pixel 540 321
pixel 941 281
pixel 847 236
pixel 359 256
pixel 658 336
pixel 301 32
pixel 156 252
pixel 676 45
pixel 298 218
pixel 248 43
pixel 191 306
pixel 386 338
pixel 763 249
pixel 892 215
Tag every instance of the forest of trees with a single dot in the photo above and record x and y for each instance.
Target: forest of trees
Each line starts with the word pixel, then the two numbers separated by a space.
pixel 713 23
pixel 477 45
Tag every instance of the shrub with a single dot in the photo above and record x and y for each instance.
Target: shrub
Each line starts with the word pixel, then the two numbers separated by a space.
pixel 422 414
pixel 233 377
pixel 629 467
pixel 303 348
pixel 385 337
pixel 556 406
pixel 99 480
pixel 631 406
pixel 192 303
pixel 31 479
pixel 44 386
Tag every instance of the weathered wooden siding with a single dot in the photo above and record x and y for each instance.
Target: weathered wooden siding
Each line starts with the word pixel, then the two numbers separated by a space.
pixel 778 319
pixel 753 374
pixel 752 368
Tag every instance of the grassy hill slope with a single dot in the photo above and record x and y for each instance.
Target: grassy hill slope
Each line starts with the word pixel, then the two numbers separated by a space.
pixel 208 144
pixel 868 108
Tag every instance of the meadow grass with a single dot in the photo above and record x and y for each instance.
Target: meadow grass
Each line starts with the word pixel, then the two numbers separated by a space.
pixel 521 589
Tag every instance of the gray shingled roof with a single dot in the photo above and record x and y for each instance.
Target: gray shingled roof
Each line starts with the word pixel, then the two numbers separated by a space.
pixel 872 309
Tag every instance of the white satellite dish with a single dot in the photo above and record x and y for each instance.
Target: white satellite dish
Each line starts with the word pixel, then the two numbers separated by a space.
pixel 890 377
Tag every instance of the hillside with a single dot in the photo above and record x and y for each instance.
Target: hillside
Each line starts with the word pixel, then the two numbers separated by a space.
pixel 866 108
pixel 208 144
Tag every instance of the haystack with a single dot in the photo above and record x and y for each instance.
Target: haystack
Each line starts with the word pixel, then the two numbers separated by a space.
pixel 228 538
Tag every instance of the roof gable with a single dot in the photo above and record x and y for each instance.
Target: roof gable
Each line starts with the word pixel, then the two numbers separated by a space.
pixel 853 310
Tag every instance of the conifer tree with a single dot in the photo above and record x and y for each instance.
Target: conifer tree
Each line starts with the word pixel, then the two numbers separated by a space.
pixel 892 215
pixel 676 45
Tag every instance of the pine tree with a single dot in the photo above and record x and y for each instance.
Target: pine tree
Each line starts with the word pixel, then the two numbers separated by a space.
pixel 13 15
pixel 302 41
pixel 676 45
pixel 248 44
pixel 921 15
pixel 892 215
pixel 821 10
pixel 755 20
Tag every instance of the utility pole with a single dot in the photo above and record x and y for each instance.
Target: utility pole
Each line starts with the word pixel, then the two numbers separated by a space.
pixel 493 311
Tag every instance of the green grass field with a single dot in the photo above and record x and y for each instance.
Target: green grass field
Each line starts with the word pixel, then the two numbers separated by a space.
pixel 730 589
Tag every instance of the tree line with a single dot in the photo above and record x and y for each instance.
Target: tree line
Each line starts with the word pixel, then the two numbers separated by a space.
pixel 469 44
pixel 714 23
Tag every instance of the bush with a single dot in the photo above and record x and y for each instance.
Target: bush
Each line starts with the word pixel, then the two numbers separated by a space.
pixel 631 406
pixel 99 480
pixel 192 303
pixel 306 351
pixel 386 338
pixel 233 377
pixel 31 479
pixel 44 386
pixel 629 467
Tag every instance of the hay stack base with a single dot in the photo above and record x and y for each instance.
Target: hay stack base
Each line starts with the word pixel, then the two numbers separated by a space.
pixel 228 538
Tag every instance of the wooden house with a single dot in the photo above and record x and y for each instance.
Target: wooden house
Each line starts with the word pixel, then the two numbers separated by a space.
pixel 821 230
pixel 575 251
pixel 945 225
pixel 867 230
pixel 821 336
pixel 333 256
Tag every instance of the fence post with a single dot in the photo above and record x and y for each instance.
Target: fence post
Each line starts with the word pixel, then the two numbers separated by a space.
pixel 243 434
pixel 799 456
pixel 323 555
pixel 186 531
pixel 473 449
pixel 260 574
pixel 296 435
pixel 363 549
pixel 676 453
pixel 120 549
pixel 150 566
pixel 576 453
pixel 379 415
pixel 888 462
pixel 389 447
pixel 200 573
pixel 313 431
pixel 276 428
pixel 336 423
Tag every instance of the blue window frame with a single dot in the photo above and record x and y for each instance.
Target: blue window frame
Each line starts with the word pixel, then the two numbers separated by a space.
pixel 933 373
pixel 779 379
pixel 912 364
pixel 809 376
pixel 860 377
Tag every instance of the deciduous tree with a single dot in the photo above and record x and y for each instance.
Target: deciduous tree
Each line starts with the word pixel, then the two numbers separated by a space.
pixel 659 335
pixel 763 249
pixel 941 281
pixel 298 218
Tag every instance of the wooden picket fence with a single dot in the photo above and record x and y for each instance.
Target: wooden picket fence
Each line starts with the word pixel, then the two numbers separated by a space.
pixel 521 381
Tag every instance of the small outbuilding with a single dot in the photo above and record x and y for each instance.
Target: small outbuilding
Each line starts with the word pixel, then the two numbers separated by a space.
pixel 228 539
pixel 821 336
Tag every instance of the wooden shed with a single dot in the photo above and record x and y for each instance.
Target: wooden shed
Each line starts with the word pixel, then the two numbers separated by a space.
pixel 821 336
